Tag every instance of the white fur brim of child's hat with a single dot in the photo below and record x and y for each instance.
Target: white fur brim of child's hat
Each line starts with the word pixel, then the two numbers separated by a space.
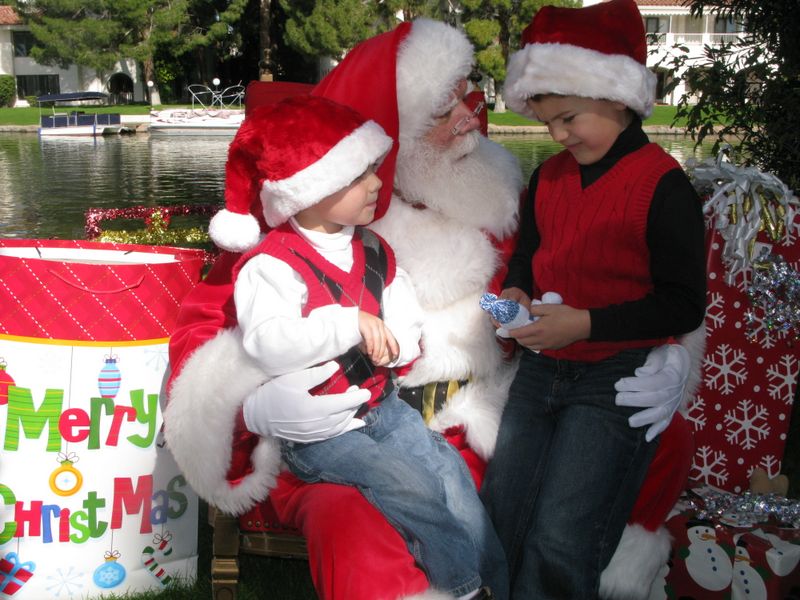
pixel 342 164
pixel 576 71
pixel 431 60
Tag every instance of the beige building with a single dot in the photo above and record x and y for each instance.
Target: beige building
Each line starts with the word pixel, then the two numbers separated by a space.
pixel 668 22
pixel 32 79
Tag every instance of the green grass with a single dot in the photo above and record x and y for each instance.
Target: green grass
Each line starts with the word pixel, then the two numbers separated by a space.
pixel 30 115
pixel 260 578
pixel 662 116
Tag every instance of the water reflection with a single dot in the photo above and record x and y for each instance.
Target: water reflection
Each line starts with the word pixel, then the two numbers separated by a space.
pixel 46 185
pixel 532 149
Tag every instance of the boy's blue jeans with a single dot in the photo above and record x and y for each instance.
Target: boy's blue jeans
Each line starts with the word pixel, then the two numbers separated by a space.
pixel 423 487
pixel 565 474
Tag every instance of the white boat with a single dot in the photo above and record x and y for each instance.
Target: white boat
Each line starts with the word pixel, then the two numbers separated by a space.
pixel 76 122
pixel 195 121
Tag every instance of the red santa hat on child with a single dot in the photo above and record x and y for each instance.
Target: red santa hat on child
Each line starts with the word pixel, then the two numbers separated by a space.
pixel 595 52
pixel 287 157
pixel 401 79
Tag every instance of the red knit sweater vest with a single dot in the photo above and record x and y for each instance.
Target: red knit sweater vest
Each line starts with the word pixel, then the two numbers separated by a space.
pixel 373 269
pixel 593 247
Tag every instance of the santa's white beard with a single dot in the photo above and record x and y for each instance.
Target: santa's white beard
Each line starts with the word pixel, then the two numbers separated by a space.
pixel 475 181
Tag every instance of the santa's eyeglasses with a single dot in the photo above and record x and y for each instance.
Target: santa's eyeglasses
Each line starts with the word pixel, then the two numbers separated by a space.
pixel 462 122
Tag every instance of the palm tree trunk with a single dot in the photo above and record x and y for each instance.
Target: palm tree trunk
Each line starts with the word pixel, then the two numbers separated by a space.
pixel 264 41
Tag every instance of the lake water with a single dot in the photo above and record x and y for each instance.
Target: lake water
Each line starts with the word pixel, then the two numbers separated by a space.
pixel 46 185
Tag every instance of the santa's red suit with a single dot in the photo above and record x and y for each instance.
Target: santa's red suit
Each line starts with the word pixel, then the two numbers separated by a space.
pixel 451 229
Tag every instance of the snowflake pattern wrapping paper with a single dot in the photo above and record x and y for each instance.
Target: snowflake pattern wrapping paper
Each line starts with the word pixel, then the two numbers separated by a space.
pixel 742 410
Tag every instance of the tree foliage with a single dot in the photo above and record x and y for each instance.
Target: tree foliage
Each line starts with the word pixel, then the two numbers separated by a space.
pixel 495 26
pixel 331 27
pixel 96 33
pixel 8 90
pixel 750 86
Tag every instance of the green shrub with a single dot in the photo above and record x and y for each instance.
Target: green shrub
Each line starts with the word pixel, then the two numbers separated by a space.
pixel 31 100
pixel 8 90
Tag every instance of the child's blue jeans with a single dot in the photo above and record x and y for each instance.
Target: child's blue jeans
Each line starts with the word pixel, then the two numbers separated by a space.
pixel 423 487
pixel 565 474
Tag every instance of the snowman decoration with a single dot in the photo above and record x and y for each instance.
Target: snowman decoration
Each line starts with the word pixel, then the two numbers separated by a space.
pixel 707 562
pixel 748 584
pixel 783 557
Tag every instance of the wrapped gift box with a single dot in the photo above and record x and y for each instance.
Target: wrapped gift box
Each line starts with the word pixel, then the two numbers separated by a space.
pixel 742 410
pixel 14 574
pixel 717 557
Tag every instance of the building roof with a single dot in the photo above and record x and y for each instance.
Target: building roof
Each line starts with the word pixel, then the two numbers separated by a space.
pixel 663 3
pixel 8 16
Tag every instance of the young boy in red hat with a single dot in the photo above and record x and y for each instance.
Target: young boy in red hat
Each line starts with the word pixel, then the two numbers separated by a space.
pixel 320 287
pixel 614 226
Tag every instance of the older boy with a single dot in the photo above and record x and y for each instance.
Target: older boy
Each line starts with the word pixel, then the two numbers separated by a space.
pixel 614 226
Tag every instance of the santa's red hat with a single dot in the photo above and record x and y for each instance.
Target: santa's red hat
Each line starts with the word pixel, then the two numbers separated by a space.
pixel 401 79
pixel 286 157
pixel 595 52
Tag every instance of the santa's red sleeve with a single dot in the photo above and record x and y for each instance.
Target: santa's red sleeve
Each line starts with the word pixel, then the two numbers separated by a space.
pixel 211 375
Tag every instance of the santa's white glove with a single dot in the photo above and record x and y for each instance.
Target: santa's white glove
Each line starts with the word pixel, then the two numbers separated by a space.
pixel 658 388
pixel 283 407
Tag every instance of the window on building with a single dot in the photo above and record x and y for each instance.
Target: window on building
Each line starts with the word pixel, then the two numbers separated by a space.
pixel 37 85
pixel 655 28
pixel 23 42
pixel 652 24
pixel 725 25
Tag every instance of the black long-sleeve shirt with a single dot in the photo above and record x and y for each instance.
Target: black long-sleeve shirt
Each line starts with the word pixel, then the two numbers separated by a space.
pixel 675 238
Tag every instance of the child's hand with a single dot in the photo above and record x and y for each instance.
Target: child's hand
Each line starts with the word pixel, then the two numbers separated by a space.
pixel 558 325
pixel 378 342
pixel 391 351
pixel 515 294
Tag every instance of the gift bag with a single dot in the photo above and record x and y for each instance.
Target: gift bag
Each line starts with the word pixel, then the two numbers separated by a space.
pixel 92 501
pixel 742 410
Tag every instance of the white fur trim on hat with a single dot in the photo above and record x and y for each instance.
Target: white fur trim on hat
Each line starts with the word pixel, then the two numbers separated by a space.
pixel 232 231
pixel 430 61
pixel 337 169
pixel 574 71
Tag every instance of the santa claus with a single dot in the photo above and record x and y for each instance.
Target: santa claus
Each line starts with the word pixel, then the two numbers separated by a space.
pixel 449 208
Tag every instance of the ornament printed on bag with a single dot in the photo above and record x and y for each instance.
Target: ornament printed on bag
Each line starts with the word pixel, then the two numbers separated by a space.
pixel 5 381
pixel 109 379
pixel 161 548
pixel 110 573
pixel 66 480
pixel 14 574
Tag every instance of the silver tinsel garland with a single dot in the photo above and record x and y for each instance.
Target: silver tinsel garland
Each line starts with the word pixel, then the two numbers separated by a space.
pixel 746 509
pixel 775 293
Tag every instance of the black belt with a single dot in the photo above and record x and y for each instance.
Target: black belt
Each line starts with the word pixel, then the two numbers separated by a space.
pixel 428 399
